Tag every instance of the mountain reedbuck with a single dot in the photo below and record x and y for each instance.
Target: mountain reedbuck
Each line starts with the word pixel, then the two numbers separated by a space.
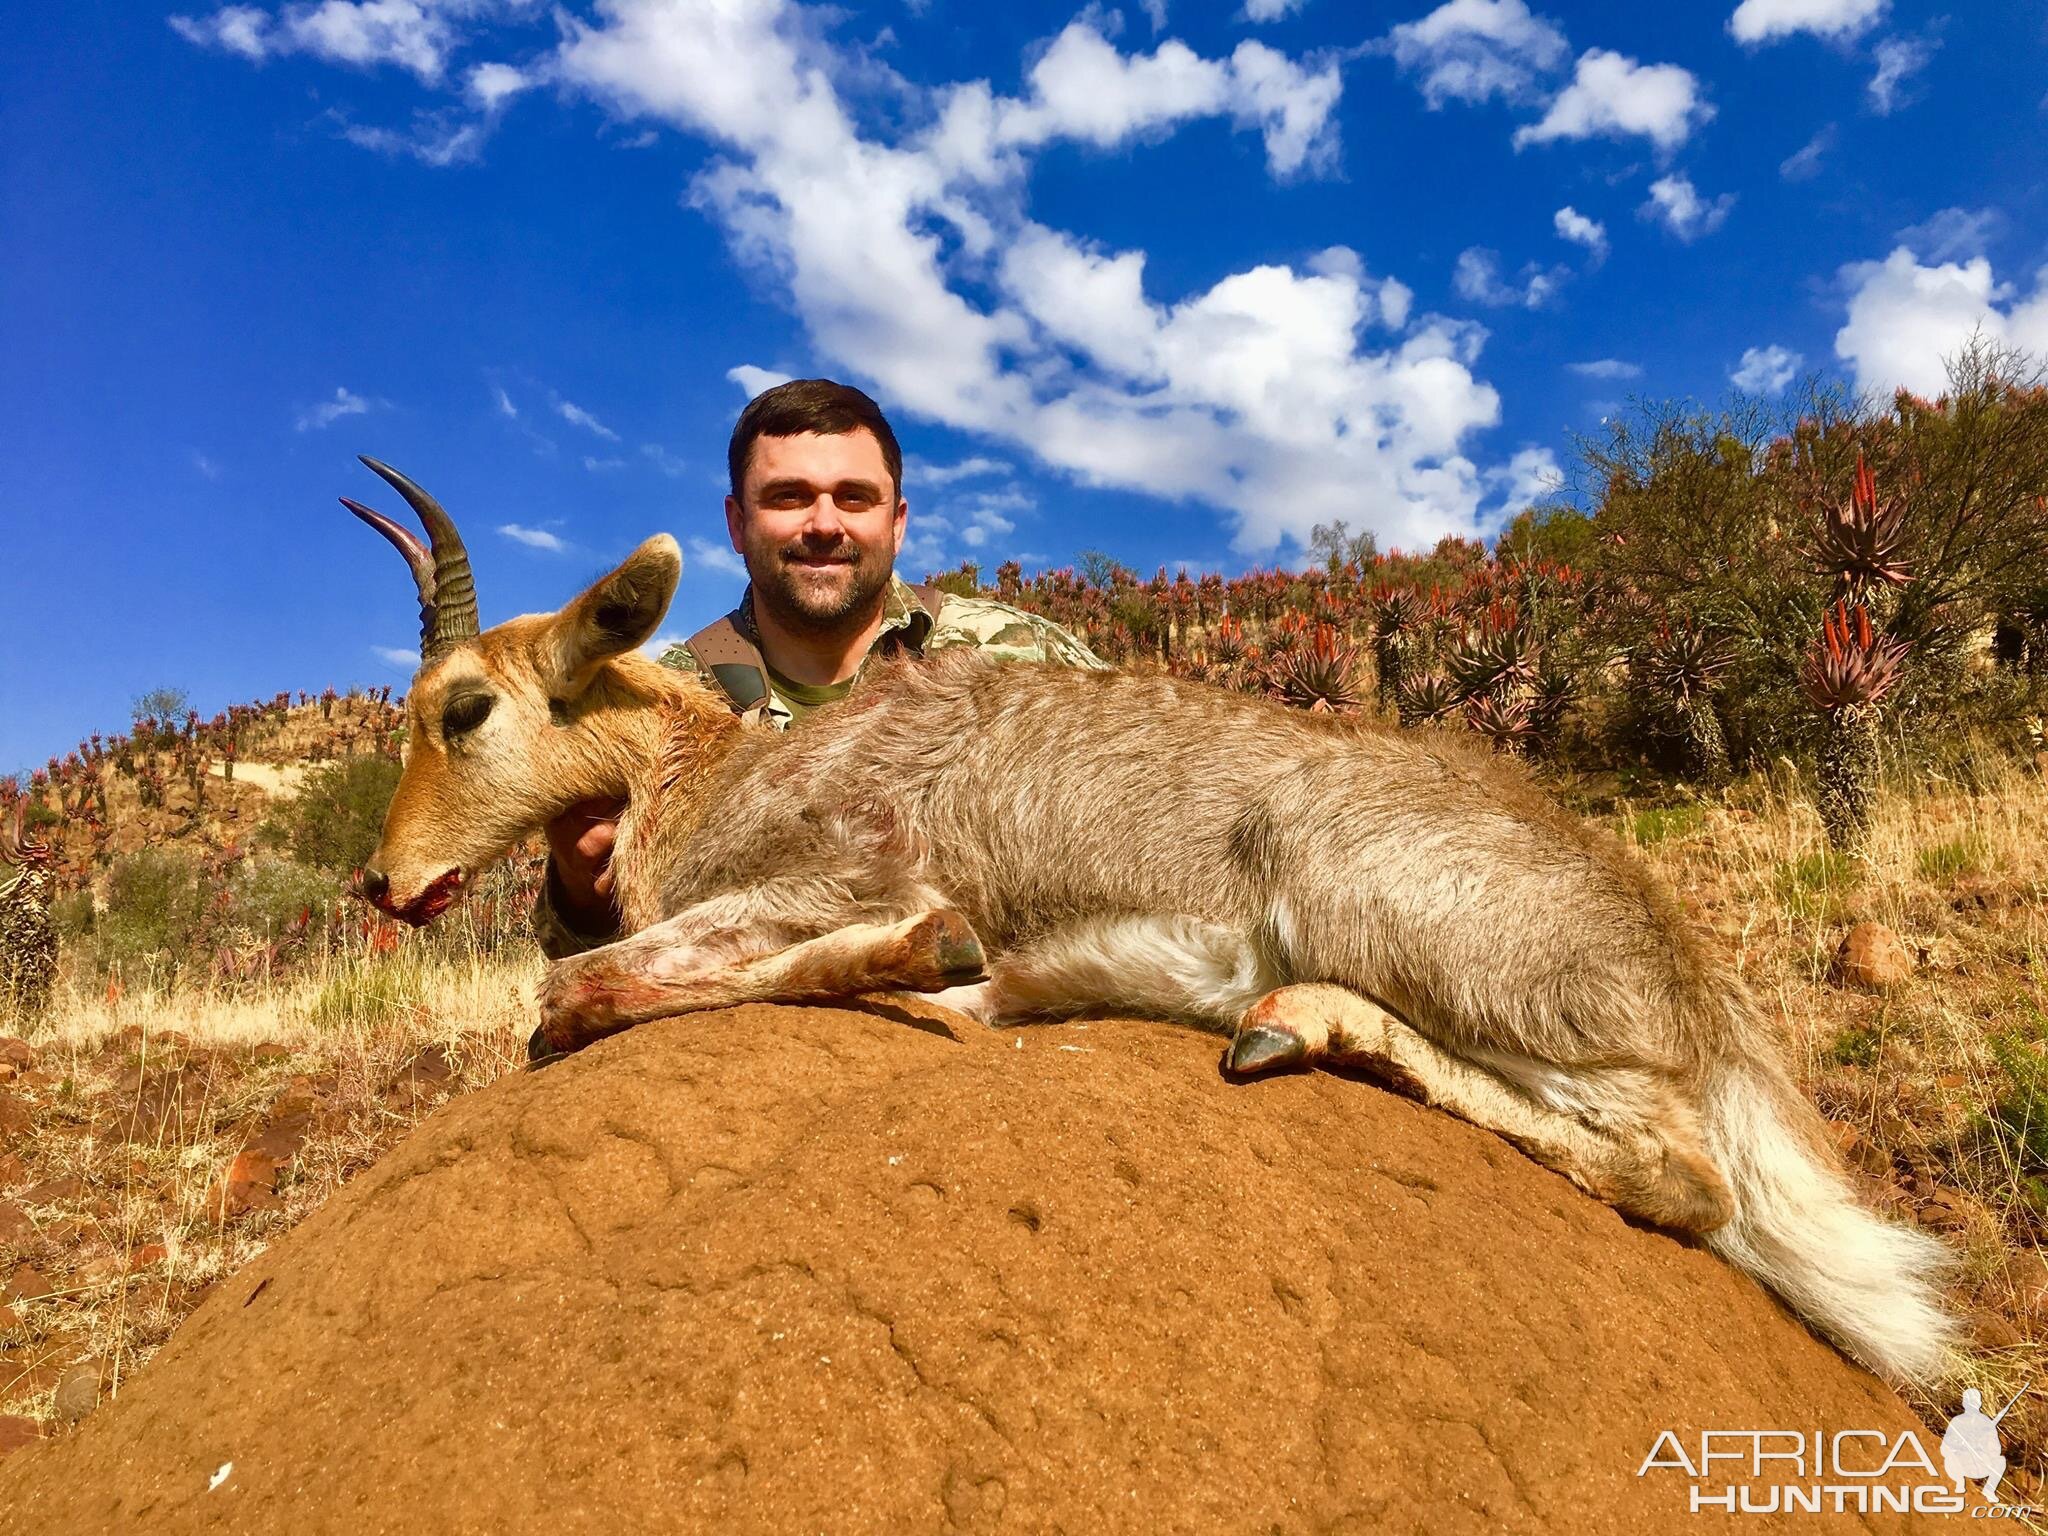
pixel 1029 841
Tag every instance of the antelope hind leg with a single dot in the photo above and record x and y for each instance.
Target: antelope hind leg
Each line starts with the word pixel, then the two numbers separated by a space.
pixel 653 974
pixel 1652 1173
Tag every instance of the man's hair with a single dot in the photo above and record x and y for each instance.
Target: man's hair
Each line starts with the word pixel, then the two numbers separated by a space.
pixel 809 405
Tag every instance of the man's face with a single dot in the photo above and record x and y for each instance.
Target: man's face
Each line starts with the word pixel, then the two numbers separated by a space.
pixel 818 522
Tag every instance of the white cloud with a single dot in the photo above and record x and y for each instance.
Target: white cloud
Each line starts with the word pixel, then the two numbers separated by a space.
pixel 1764 21
pixel 206 466
pixel 663 460
pixel 717 557
pixel 1904 318
pixel 1574 226
pixel 1898 60
pixel 415 35
pixel 1155 12
pixel 576 416
pixel 492 85
pixel 1765 370
pixel 754 380
pixel 1477 278
pixel 437 138
pixel 1677 205
pixel 1285 393
pixel 1612 95
pixel 1606 368
pixel 972 468
pixel 1531 476
pixel 504 402
pixel 1083 88
pixel 1264 10
pixel 397 656
pixel 325 414
pixel 242 29
pixel 533 538
pixel 1473 50
pixel 598 466
pixel 1952 232
pixel 1804 164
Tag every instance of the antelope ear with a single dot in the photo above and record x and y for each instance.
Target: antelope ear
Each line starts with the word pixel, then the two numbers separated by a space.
pixel 617 614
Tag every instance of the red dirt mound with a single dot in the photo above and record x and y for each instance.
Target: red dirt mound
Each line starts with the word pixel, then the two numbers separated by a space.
pixel 792 1269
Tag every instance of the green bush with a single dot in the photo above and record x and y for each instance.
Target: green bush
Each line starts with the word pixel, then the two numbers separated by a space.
pixel 155 912
pixel 335 819
pixel 268 895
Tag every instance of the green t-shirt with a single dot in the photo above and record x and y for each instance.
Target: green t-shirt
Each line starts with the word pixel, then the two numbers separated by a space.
pixel 802 698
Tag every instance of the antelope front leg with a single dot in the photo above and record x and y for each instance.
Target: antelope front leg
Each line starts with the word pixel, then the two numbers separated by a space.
pixel 654 974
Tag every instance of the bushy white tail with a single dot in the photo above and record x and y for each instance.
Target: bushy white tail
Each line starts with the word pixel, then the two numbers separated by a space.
pixel 1871 1286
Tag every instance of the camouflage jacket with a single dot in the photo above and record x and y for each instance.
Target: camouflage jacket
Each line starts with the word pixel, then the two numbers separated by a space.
pixel 1006 633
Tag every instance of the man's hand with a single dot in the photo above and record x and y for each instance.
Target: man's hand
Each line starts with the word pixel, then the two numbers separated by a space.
pixel 580 839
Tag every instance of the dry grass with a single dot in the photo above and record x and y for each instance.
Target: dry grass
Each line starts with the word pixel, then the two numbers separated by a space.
pixel 1938 1089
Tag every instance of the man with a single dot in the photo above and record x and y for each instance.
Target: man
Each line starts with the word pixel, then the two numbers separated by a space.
pixel 817 512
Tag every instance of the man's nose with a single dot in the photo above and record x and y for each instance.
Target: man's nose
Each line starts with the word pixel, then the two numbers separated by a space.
pixel 824 520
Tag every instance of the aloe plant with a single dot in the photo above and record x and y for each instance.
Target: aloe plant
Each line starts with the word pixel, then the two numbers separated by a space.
pixel 1847 675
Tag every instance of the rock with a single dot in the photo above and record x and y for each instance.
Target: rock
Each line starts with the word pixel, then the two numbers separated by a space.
pixel 8 1319
pixel 1990 1331
pixel 15 1115
pixel 778 1269
pixel 54 1191
pixel 16 1432
pixel 146 1255
pixel 250 1184
pixel 1871 956
pixel 17 1053
pixel 1858 1152
pixel 78 1392
pixel 15 1226
pixel 27 1283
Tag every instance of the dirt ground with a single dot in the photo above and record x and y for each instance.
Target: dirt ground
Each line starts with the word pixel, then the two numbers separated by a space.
pixel 780 1269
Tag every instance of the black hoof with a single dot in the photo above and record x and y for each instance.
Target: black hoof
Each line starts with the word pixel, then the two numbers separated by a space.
pixel 1260 1049
pixel 539 1053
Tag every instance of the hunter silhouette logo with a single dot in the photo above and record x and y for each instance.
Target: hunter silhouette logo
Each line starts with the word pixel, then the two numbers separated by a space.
pixel 1863 1471
pixel 1970 1447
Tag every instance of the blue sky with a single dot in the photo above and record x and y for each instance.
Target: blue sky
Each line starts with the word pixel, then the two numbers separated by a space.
pixel 1171 280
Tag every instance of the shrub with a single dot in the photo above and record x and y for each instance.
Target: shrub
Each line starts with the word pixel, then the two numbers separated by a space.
pixel 335 819
pixel 268 896
pixel 155 911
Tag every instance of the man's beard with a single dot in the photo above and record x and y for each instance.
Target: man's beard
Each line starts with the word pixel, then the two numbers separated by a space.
pixel 802 601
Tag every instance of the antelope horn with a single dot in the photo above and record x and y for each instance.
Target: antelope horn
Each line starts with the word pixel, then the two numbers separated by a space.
pixel 454 593
pixel 407 543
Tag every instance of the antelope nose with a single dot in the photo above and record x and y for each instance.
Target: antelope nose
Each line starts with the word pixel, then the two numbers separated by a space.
pixel 373 885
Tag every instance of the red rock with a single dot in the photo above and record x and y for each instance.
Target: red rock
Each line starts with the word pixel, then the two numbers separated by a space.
pixel 8 1319
pixel 248 1185
pixel 14 1115
pixel 11 1171
pixel 26 1284
pixel 15 1226
pixel 1990 1331
pixel 146 1255
pixel 18 1054
pixel 16 1432
pixel 1871 956
pixel 1858 1152
pixel 54 1191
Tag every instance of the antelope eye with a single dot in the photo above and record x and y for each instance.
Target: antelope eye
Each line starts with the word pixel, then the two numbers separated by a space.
pixel 465 713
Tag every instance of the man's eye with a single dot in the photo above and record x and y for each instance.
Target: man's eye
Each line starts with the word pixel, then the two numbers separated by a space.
pixel 854 501
pixel 465 713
